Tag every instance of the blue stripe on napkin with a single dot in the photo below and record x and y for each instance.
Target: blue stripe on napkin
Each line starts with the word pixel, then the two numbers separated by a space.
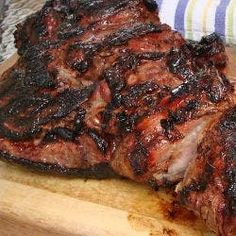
pixel 220 17
pixel 179 15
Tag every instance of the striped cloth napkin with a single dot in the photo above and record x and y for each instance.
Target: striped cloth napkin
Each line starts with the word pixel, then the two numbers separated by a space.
pixel 195 18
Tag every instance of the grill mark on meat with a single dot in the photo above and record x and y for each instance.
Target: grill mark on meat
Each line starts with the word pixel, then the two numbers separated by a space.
pixel 59 132
pixel 200 82
pixel 138 159
pixel 178 117
pixel 37 76
pixel 14 135
pixel 205 46
pixel 52 108
pixel 218 88
pixel 67 101
pixel 65 34
pixel 128 61
pixel 178 63
pixel 114 76
pixel 53 17
pixel 137 91
pixel 38 54
pixel 230 193
pixel 40 78
pixel 209 46
pixel 126 123
pixel 42 23
pixel 98 171
pixel 214 85
pixel 88 50
pixel 212 82
pixel 227 128
pixel 78 129
pixel 98 7
pixel 101 143
pixel 61 20
pixel 194 83
pixel 79 121
pixel 151 5
pixel 70 28
pixel 229 123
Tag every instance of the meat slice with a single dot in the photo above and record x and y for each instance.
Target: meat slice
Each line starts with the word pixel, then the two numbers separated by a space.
pixel 161 127
pixel 209 185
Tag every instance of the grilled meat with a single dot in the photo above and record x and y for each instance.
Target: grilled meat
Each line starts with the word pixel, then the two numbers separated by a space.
pixel 52 99
pixel 209 185
pixel 160 127
pixel 102 88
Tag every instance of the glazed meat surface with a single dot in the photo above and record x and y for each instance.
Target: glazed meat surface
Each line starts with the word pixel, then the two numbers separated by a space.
pixel 209 185
pixel 102 88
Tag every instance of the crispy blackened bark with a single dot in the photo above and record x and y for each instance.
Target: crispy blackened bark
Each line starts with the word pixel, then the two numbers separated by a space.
pixel 102 89
pixel 103 83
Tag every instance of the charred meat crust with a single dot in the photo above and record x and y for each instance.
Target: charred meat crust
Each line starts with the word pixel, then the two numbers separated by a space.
pixel 138 159
pixel 227 128
pixel 115 78
pixel 99 171
pixel 89 50
pixel 151 5
pixel 208 46
pixel 65 18
pixel 85 81
pixel 57 107
pixel 102 88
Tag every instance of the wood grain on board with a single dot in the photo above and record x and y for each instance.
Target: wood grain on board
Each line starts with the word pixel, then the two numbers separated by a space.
pixel 33 203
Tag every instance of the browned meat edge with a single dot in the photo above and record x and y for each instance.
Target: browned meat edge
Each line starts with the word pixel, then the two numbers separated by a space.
pixel 99 171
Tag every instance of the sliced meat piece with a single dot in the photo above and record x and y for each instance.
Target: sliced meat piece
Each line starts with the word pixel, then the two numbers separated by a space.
pixel 160 137
pixel 209 185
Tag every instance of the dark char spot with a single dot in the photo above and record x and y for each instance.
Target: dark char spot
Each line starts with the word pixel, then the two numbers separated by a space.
pixel 60 132
pixel 151 5
pixel 99 140
pixel 138 159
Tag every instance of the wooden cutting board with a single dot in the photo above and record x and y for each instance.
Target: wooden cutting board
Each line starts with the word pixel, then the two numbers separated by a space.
pixel 32 203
